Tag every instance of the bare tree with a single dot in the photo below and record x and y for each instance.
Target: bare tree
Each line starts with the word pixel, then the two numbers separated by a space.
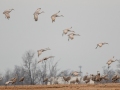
pixel 27 60
pixel 32 72
pixel 53 69
pixel 108 72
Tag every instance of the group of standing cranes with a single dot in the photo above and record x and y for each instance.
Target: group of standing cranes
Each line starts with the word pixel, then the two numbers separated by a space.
pixel 98 78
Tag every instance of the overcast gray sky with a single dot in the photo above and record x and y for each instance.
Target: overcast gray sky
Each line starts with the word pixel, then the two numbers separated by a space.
pixel 95 20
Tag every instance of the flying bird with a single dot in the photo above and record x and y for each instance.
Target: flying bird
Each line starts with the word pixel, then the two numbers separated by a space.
pixel 100 44
pixel 42 50
pixel 65 31
pixel 36 13
pixel 21 80
pixel 53 17
pixel 7 13
pixel 46 58
pixel 111 61
pixel 71 36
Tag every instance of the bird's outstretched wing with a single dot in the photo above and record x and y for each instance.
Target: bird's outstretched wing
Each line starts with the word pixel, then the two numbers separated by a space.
pixel 43 50
pixel 76 34
pixel 40 60
pixel 51 56
pixel 21 79
pixel 47 49
pixel 12 79
pixel 56 13
pixel 7 15
pixel 37 11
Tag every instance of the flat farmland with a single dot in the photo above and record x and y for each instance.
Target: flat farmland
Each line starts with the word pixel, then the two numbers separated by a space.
pixel 64 87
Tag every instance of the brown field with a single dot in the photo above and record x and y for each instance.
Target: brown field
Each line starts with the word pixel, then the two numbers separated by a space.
pixel 64 87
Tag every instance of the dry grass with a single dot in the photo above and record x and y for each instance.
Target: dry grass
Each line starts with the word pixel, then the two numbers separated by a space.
pixel 64 87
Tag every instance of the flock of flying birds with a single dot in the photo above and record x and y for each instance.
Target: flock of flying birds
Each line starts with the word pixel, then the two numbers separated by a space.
pixel 65 31
pixel 53 17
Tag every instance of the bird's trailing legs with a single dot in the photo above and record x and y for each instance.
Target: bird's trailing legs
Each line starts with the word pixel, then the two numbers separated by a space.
pixel 108 67
pixel 22 83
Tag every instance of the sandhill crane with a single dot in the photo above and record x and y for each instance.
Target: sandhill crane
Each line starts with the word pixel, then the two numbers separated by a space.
pixel 97 77
pixel 93 77
pixel 71 36
pixel 104 77
pixel 42 50
pixel 45 58
pixel 45 80
pixel 77 80
pixel 22 79
pixel 53 17
pixel 73 82
pixel 100 44
pixel 14 80
pixel 86 78
pixel 115 77
pixel 65 31
pixel 1 78
pixel 56 81
pixel 75 73
pixel 36 13
pixel 66 78
pixel 6 83
pixel 111 61
pixel 6 12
